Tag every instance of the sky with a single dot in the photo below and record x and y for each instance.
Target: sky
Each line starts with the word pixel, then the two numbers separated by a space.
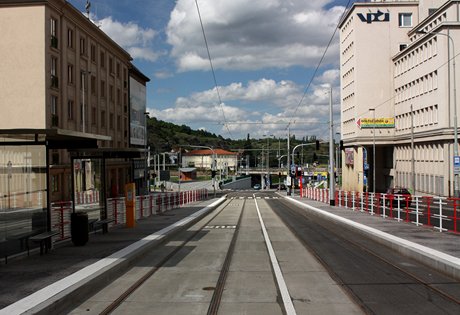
pixel 264 54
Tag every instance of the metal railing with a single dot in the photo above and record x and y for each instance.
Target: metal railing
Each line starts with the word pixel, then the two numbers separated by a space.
pixel 439 213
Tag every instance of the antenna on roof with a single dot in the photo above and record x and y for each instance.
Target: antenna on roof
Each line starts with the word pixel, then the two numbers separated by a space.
pixel 87 7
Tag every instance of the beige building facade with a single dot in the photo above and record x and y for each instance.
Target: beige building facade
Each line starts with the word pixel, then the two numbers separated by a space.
pixel 65 123
pixel 397 95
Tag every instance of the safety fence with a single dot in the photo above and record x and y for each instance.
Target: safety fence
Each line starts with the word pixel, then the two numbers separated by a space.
pixel 88 196
pixel 146 206
pixel 440 213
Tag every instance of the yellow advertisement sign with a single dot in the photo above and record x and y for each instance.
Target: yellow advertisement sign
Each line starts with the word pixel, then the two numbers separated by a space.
pixel 377 123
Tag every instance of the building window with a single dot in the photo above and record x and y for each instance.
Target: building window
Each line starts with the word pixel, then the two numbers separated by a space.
pixel 55 183
pixel 402 47
pixel 70 74
pixel 110 65
pixel 93 85
pixel 102 59
pixel 103 119
pixel 102 88
pixel 405 19
pixel 53 70
pixel 54 111
pixel 82 46
pixel 93 53
pixel 70 109
pixel 53 31
pixel 111 95
pixel 111 120
pixel 70 38
pixel 93 115
pixel 82 114
pixel 118 70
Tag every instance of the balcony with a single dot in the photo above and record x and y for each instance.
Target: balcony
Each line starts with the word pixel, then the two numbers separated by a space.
pixel 54 120
pixel 54 81
pixel 54 42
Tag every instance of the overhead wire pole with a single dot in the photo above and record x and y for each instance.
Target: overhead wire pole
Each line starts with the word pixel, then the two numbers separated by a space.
pixel 288 161
pixel 331 153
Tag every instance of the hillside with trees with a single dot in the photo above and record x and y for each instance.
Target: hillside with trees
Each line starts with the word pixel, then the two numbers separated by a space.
pixel 168 137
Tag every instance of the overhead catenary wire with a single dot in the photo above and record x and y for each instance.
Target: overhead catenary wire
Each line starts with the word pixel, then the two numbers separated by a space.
pixel 212 68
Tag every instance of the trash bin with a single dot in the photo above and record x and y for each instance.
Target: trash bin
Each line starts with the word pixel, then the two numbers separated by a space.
pixel 79 228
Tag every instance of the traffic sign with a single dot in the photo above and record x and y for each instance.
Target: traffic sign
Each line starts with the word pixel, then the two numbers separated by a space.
pixel 456 164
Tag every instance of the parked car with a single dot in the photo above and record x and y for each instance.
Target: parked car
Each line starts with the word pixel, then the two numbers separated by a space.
pixel 400 193
pixel 257 187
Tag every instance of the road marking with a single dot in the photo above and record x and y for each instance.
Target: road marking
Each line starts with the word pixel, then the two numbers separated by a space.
pixel 288 306
pixel 220 227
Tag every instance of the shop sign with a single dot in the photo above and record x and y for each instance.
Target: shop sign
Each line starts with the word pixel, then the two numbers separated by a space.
pixel 366 123
pixel 378 16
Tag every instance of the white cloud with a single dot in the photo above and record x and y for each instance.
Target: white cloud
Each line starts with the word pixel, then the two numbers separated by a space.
pixel 260 107
pixel 135 39
pixel 250 36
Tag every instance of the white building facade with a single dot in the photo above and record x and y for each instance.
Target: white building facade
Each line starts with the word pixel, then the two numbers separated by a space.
pixel 398 95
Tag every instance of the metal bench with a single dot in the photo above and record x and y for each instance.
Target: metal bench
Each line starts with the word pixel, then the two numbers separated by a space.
pixel 103 224
pixel 91 224
pixel 44 239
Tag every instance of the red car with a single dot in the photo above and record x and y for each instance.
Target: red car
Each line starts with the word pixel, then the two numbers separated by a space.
pixel 403 194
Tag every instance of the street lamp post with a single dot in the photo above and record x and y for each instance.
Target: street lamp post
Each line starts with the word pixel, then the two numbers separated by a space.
pixel 331 152
pixel 147 158
pixel 267 180
pixel 279 168
pixel 373 149
pixel 288 161
pixel 456 184
pixel 293 151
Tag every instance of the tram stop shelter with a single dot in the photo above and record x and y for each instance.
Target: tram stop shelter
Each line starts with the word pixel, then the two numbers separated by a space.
pixel 34 166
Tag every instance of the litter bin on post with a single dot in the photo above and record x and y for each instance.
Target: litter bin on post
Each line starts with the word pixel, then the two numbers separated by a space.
pixel 79 228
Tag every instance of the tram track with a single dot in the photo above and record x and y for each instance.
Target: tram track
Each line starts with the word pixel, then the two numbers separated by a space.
pixel 218 288
pixel 366 269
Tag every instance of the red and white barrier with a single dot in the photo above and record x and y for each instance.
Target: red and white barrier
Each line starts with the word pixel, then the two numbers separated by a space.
pixel 440 213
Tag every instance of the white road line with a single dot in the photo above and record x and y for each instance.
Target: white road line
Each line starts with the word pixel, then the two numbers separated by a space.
pixel 288 306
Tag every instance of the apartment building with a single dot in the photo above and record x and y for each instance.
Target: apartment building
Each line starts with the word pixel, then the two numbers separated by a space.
pixel 65 123
pixel 397 95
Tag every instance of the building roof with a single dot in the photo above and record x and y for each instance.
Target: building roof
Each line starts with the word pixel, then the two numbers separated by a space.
pixel 187 169
pixel 210 152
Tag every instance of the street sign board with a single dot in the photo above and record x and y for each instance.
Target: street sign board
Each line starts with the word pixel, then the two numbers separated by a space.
pixel 366 123
pixel 456 164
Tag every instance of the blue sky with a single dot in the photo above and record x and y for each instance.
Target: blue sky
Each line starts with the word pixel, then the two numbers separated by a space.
pixel 264 53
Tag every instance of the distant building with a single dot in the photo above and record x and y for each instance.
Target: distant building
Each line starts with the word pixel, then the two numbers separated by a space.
pixel 394 67
pixel 204 159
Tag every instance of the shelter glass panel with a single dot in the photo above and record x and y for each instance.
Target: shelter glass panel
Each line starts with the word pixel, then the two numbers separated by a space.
pixel 23 203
